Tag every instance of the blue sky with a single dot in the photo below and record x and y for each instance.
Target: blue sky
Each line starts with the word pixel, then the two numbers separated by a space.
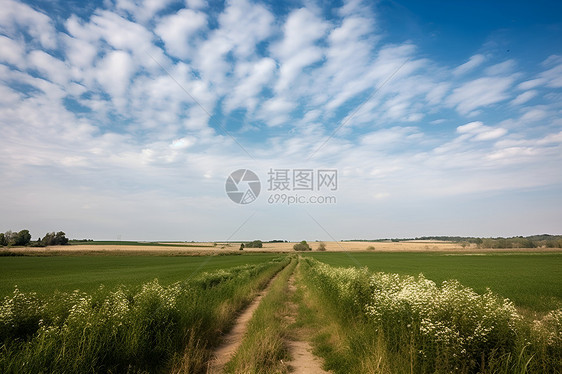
pixel 123 119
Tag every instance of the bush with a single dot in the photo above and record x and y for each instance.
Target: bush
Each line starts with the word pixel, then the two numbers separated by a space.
pixel 370 248
pixel 302 246
pixel 254 244
pixel 321 246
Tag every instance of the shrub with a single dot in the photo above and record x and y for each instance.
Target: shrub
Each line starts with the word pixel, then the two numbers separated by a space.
pixel 302 246
pixel 254 244
pixel 370 248
pixel 321 246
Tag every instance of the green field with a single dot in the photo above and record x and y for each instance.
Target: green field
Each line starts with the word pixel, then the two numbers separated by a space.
pixel 357 320
pixel 44 275
pixel 530 280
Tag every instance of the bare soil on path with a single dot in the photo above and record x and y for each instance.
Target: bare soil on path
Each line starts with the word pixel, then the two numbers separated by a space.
pixel 303 361
pixel 233 340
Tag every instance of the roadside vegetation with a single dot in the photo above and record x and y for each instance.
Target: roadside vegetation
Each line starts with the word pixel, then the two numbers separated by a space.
pixel 387 323
pixel 126 329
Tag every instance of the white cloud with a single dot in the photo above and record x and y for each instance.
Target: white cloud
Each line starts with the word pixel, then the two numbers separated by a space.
pixel 533 115
pixel 38 25
pixel 478 131
pixel 183 143
pixel 393 137
pixel 80 53
pixel 54 69
pixel 470 127
pixel 114 73
pixel 297 50
pixel 142 10
pixel 553 76
pixel 178 30
pixel 524 97
pixel 503 68
pixel 527 85
pixel 480 92
pixel 12 52
pixel 252 78
pixel 471 64
pixel 245 24
pixel 276 111
pixel 491 134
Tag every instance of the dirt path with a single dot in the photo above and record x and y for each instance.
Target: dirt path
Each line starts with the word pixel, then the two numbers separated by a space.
pixel 233 339
pixel 303 361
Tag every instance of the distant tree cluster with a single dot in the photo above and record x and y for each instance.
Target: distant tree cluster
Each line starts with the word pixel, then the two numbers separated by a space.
pixel 54 239
pixel 254 244
pixel 23 238
pixel 302 246
pixel 533 241
pixel 10 238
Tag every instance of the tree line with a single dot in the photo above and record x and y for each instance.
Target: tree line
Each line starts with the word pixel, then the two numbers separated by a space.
pixel 532 241
pixel 23 239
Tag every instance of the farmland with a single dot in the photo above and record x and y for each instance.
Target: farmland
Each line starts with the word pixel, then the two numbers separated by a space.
pixel 532 280
pixel 360 311
pixel 87 272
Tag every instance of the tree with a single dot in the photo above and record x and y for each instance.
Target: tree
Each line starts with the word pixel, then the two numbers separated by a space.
pixel 321 246
pixel 22 238
pixel 51 238
pixel 10 237
pixel 61 239
pixel 242 246
pixel 3 241
pixel 302 246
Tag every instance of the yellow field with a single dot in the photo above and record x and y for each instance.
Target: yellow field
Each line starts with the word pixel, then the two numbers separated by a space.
pixel 331 246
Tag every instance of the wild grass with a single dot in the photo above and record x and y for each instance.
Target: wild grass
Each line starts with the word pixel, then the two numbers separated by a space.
pixel 150 329
pixel 263 348
pixel 389 323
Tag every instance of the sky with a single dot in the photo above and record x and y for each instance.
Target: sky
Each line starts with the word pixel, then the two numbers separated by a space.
pixel 123 119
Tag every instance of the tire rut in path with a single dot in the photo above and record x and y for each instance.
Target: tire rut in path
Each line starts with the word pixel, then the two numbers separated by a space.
pixel 303 361
pixel 232 341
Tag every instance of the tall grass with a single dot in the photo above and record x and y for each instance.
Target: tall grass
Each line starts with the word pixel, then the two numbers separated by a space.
pixel 147 329
pixel 410 324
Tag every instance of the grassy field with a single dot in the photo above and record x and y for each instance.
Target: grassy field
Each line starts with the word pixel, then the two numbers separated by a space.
pixel 530 280
pixel 44 275
pixel 359 314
